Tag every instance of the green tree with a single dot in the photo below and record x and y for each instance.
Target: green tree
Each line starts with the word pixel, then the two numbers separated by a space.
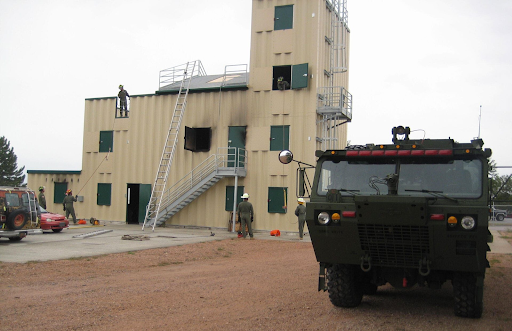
pixel 10 175
pixel 501 185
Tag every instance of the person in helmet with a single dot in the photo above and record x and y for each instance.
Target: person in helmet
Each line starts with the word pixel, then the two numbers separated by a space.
pixel 122 101
pixel 282 84
pixel 300 212
pixel 246 215
pixel 41 198
pixel 68 205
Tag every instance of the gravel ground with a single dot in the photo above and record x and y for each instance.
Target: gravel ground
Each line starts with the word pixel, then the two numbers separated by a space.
pixel 232 284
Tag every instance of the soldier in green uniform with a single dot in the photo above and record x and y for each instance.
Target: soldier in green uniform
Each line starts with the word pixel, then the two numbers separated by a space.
pixel 282 84
pixel 246 215
pixel 300 212
pixel 41 198
pixel 122 100
pixel 68 205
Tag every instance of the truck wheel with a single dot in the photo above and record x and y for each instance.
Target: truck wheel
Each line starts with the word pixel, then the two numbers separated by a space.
pixel 500 217
pixel 17 220
pixel 468 295
pixel 343 286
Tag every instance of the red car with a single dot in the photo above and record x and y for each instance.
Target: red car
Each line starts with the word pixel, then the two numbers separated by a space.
pixel 51 221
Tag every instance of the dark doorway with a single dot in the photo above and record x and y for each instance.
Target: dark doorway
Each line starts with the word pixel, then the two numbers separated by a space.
pixel 137 198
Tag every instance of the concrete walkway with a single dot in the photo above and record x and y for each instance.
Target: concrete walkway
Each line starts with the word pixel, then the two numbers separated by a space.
pixel 84 240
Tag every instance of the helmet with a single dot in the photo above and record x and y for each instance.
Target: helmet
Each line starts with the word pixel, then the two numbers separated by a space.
pixel 245 196
pixel 68 192
pixel 280 79
pixel 300 200
pixel 120 86
pixel 41 188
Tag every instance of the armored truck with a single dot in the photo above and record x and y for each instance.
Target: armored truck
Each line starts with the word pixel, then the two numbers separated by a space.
pixel 414 212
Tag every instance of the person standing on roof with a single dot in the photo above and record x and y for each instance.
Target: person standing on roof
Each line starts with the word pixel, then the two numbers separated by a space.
pixel 246 215
pixel 41 198
pixel 68 205
pixel 122 100
pixel 300 212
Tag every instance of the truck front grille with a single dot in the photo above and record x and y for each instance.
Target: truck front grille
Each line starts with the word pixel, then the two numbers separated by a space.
pixel 394 245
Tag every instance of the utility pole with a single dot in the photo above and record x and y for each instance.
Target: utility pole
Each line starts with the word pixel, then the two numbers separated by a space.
pixel 479 120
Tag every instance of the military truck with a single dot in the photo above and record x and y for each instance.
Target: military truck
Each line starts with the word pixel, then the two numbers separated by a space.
pixel 414 212
pixel 17 207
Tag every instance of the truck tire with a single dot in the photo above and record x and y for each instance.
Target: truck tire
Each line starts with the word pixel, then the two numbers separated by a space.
pixel 500 217
pixel 343 286
pixel 468 295
pixel 17 220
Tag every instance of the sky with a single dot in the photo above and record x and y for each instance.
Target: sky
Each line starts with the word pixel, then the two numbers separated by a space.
pixel 441 67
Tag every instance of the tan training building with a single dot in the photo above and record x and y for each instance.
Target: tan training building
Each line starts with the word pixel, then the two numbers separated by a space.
pixel 231 128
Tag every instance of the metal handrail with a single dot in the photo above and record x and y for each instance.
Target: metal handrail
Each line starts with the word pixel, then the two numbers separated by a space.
pixel 178 73
pixel 336 97
pixel 203 170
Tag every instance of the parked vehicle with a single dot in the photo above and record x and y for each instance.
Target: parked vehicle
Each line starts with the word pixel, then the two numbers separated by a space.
pixel 18 206
pixel 498 214
pixel 51 221
pixel 414 212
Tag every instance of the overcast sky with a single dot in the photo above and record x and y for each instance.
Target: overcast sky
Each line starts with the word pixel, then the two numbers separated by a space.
pixel 428 65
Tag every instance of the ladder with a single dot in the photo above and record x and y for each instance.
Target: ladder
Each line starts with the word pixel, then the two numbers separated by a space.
pixel 184 73
pixel 32 208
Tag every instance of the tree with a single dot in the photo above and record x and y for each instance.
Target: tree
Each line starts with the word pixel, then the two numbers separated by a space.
pixel 9 174
pixel 501 185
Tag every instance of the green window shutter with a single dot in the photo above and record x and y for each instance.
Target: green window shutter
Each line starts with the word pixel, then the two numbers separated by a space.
pixel 277 199
pixel 283 17
pixel 300 76
pixel 229 196
pixel 104 194
pixel 59 192
pixel 106 141
pixel 279 137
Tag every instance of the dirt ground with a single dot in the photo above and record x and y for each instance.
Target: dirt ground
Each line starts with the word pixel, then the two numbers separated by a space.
pixel 232 284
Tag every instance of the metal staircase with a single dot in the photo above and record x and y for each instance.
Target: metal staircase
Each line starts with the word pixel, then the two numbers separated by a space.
pixel 334 103
pixel 182 73
pixel 228 162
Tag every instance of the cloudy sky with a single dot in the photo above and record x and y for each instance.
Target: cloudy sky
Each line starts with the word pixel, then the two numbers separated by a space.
pixel 428 65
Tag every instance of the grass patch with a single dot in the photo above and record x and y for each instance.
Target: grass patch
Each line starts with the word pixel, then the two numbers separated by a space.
pixel 131 253
pixel 163 264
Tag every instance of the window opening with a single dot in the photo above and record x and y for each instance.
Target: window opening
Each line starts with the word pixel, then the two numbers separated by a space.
pixel 198 139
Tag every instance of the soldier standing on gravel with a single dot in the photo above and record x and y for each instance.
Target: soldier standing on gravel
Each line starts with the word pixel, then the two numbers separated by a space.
pixel 68 205
pixel 246 215
pixel 300 212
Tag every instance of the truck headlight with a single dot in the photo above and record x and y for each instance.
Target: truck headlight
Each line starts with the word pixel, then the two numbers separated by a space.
pixel 323 218
pixel 468 223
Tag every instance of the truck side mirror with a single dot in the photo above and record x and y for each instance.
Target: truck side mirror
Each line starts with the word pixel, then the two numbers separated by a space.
pixel 285 156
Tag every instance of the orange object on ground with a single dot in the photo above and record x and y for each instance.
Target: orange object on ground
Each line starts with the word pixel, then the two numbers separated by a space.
pixel 82 222
pixel 275 233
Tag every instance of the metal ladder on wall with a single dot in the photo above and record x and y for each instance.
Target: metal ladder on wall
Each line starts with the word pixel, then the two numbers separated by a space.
pixel 184 73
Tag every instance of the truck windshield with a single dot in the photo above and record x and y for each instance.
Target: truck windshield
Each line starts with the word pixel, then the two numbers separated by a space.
pixel 452 178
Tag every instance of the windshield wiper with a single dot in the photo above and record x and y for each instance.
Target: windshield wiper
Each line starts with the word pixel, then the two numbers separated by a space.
pixel 352 192
pixel 437 194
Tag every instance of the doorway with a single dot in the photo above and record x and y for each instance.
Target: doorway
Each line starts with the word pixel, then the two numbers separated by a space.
pixel 137 198
pixel 236 138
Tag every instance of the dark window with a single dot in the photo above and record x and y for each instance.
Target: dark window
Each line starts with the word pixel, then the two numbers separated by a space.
pixel 12 199
pixel 106 141
pixel 104 194
pixel 59 192
pixel 277 199
pixel 198 139
pixel 279 137
pixel 295 76
pixel 283 17
pixel 229 196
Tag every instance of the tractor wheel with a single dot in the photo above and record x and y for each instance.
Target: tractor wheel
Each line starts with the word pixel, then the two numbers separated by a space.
pixel 17 220
pixel 468 295
pixel 343 286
